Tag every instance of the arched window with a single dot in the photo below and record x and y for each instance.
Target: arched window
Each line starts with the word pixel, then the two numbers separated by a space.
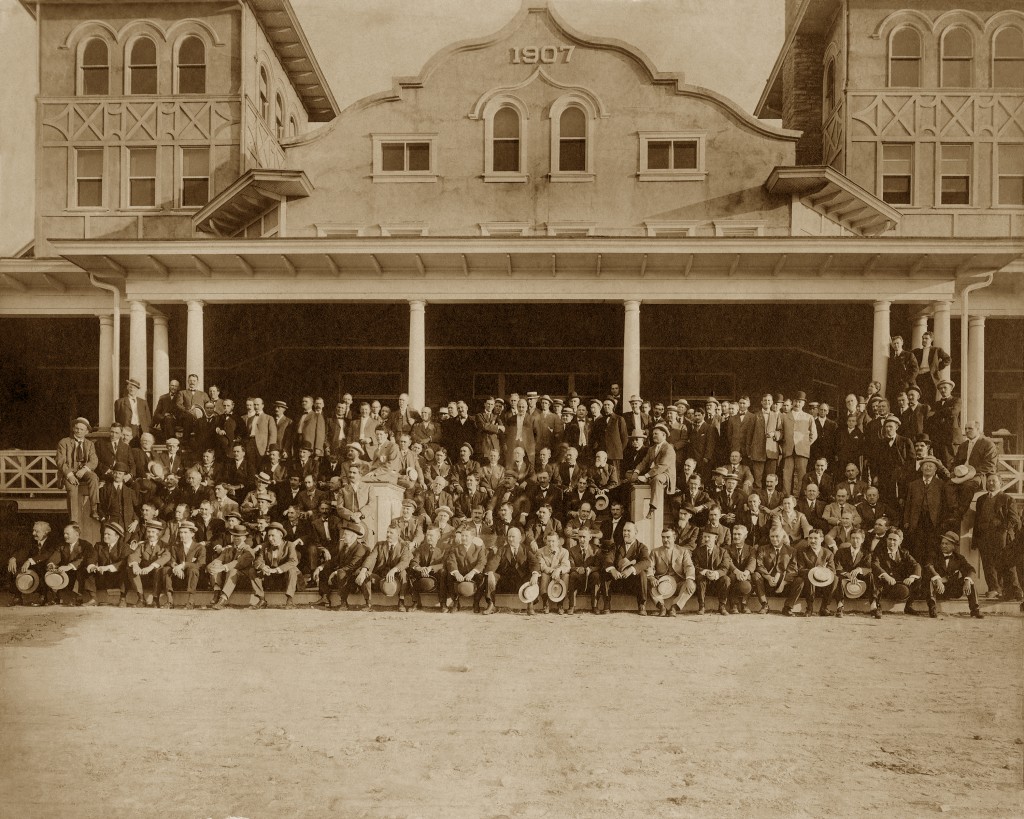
pixel 1008 59
pixel 192 66
pixel 905 58
pixel 957 59
pixel 293 127
pixel 506 141
pixel 142 67
pixel 572 140
pixel 279 116
pixel 95 68
pixel 830 87
pixel 264 94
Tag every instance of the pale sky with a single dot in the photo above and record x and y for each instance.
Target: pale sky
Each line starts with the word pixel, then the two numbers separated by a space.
pixel 728 46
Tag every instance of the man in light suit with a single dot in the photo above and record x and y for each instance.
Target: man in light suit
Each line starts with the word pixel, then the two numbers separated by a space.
pixel 977 451
pixel 76 463
pixel 763 450
pixel 658 468
pixel 798 433
pixel 312 426
pixel 132 410
pixel 261 431
pixel 519 432
pixel 360 431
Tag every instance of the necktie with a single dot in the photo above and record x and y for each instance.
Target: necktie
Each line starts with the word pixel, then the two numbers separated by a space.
pixel 79 453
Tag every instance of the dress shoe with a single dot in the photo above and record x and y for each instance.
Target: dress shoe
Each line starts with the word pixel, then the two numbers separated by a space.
pixel 839 612
pixel 976 614
pixel 289 604
pixel 808 611
pixel 932 612
pixel 529 609
pixel 733 609
pixel 764 608
pixel 89 603
pixel 876 613
pixel 743 608
pixel 190 605
pixel 606 610
pixel 824 612
pixel 700 610
pixel 401 606
pixel 787 611
pixel 641 610
pixel 490 608
pixel 671 611
pixel 571 610
pixel 909 609
pixel 367 607
pixel 723 610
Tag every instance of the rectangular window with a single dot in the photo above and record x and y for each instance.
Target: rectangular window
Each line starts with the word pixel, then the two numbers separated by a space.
pixel 956 175
pixel 898 174
pixel 1011 175
pixel 89 177
pixel 668 157
pixel 404 157
pixel 195 177
pixel 141 177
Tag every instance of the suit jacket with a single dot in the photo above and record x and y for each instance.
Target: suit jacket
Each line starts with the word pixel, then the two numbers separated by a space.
pixel 66 457
pixel 523 437
pixel 996 520
pixel 770 502
pixel 894 464
pixel 123 412
pixel 955 568
pixel 913 420
pixel 285 436
pixel 806 559
pixel 567 478
pixel 901 566
pixel 944 424
pixel 107 455
pixel 798 433
pixel 660 459
pixel 824 483
pixel 610 434
pixel 771 562
pixel 984 455
pixel 718 559
pixel 703 440
pixel 741 433
pixel 612 530
pixel 385 556
pixel 677 562
pixel 743 559
pixel 263 430
pixel 636 420
pixel 487 434
pixel 361 430
pixel 765 436
pixel 187 399
pixel 312 428
pixel 118 506
pixel 826 434
pixel 846 561
pixel 937 361
pixel 869 514
pixel 637 552
pixel 519 566
pixel 921 498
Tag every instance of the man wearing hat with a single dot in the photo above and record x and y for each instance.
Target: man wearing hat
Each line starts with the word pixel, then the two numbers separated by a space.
pixel 923 449
pixel 145 561
pixel 187 560
pixel 948 576
pixel 658 468
pixel 923 512
pixel 631 570
pixel 118 502
pixel 465 564
pixel 944 424
pixel 339 573
pixel 897 574
pixel 77 463
pixel 34 558
pixel 915 416
pixel 713 566
pixel 853 566
pixel 702 442
pixel 798 434
pixel 894 463
pixel 285 440
pixel 804 579
pixel 279 560
pixel 103 566
pixel 672 560
pixel 636 419
pixel 427 562
pixel 995 525
pixel 224 567
pixel 132 409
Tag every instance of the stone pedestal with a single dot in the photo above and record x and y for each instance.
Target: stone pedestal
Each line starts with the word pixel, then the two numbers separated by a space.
pixel 80 511
pixel 648 529
pixel 385 506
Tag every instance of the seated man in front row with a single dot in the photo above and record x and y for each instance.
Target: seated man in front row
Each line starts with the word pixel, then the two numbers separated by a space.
pixel 428 561
pixel 713 565
pixel 146 560
pixel 465 563
pixel 672 560
pixel 812 556
pixel 630 571
pixel 743 557
pixel 772 562
pixel 387 561
pixel 188 557
pixel 853 562
pixel 551 562
pixel 510 563
pixel 949 576
pixel 340 571
pixel 897 574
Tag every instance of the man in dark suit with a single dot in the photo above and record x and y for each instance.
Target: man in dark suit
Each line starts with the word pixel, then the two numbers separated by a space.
pixel 611 434
pixel 285 430
pixel 944 424
pixel 894 463
pixel 813 507
pixel 996 523
pixel 914 417
pixel 820 478
pixel 611 528
pixel 948 576
pixel 772 561
pixel 871 508
pixel 977 450
pixel 109 451
pixel 165 414
pixel 132 409
pixel 632 560
pixel 702 443
pixel 118 501
pixel 824 444
pixel 813 555
pixel 712 566
pixel 923 512
pixel 897 574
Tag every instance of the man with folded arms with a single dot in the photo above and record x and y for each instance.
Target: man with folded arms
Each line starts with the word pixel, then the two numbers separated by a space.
pixel 188 557
pixel 428 561
pixel 510 563
pixel 386 562
pixel 712 564
pixel 145 561
pixel 949 576
pixel 812 556
pixel 465 563
pixel 104 565
pixel 551 562
pixel 896 573
pixel 630 571
pixel 672 560
pixel 772 562
pixel 743 557
pixel 853 562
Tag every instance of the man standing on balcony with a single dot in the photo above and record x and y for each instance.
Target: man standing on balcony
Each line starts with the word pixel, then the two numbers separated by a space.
pixel 132 410
pixel 76 463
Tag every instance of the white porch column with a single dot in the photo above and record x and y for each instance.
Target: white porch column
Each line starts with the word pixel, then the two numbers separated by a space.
pixel 137 368
pixel 880 343
pixel 161 359
pixel 942 332
pixel 631 351
pixel 194 342
pixel 417 354
pixel 107 380
pixel 974 393
pixel 918 329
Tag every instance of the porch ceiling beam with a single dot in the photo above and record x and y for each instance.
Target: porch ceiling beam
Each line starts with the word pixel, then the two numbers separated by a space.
pixel 332 264
pixel 53 283
pixel 735 265
pixel 871 265
pixel 465 266
pixel 598 270
pixel 643 266
pixel 248 268
pixel 688 266
pixel 422 268
pixel 508 264
pixel 376 264
pixel 202 266
pixel 779 264
pixel 825 265
pixel 10 281
pixel 290 265
pixel 160 267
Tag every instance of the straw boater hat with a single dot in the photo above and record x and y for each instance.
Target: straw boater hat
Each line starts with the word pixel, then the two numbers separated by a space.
pixel 389 588
pixel 27 581
pixel 57 579
pixel 821 576
pixel 854 588
pixel 466 588
pixel 665 586
pixel 962 473
pixel 529 592
pixel 557 589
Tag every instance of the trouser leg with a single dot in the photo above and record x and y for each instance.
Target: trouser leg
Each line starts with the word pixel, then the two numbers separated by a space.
pixel 684 592
pixel 787 474
pixel 757 470
pixel 796 589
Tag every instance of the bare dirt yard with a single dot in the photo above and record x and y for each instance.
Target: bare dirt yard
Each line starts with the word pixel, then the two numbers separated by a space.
pixel 124 713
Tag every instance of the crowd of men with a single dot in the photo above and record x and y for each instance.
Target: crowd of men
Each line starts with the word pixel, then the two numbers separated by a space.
pixel 772 497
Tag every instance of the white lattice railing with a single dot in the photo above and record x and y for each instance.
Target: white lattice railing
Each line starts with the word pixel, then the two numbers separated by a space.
pixel 28 471
pixel 1011 470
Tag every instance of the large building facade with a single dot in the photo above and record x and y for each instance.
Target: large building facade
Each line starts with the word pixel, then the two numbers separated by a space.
pixel 536 209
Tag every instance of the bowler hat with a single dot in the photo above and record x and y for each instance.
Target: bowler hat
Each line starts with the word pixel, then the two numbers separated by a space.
pixel 662 427
pixel 557 589
pixel 641 435
pixel 962 473
pixel 308 446
pixel 389 588
pixel 821 576
pixel 120 466
pixel 529 592
pixel 800 396
pixel 27 581
pixel 466 588
pixel 115 527
pixel 922 438
pixel 277 527
pixel 238 530
pixel 57 579
pixel 854 588
pixel 951 536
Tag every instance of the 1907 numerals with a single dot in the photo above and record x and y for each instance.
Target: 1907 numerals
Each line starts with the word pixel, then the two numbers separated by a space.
pixel 532 55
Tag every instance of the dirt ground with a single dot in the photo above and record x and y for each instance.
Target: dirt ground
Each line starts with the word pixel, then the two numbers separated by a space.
pixel 115 713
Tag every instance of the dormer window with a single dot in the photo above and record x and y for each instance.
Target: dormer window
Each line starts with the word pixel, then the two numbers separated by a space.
pixel 957 59
pixel 905 58
pixel 404 157
pixel 142 67
pixel 192 66
pixel 94 77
